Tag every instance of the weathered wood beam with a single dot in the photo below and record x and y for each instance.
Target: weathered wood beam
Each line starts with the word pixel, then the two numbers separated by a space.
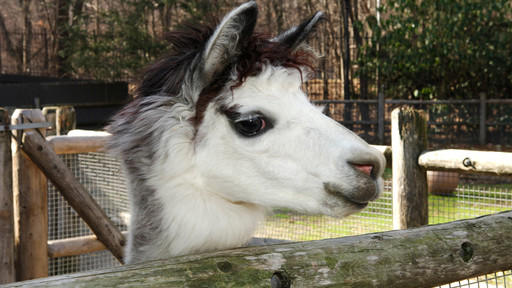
pixel 410 193
pixel 75 246
pixel 467 161
pixel 7 270
pixel 77 144
pixel 30 203
pixel 420 257
pixel 75 194
pixel 88 244
pixel 63 119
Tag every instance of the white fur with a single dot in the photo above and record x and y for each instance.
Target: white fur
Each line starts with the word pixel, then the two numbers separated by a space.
pixel 216 184
pixel 197 185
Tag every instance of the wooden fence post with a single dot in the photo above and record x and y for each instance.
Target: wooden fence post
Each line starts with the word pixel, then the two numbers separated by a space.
pixel 483 119
pixel 63 119
pixel 7 271
pixel 409 140
pixel 75 194
pixel 30 205
pixel 50 114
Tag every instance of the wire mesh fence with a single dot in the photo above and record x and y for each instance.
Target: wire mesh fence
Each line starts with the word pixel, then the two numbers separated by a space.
pixel 470 196
pixel 290 225
pixel 455 123
pixel 455 196
pixel 101 176
pixel 500 279
pixel 473 195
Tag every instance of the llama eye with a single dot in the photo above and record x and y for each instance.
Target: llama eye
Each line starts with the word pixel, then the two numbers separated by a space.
pixel 251 126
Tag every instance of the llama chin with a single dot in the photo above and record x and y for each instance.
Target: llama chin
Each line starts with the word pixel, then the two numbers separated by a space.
pixel 220 131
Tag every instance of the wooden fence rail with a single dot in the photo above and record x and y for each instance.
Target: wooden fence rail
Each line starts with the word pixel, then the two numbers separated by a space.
pixel 75 246
pixel 401 258
pixel 499 163
pixel 397 258
pixel 75 194
pixel 77 144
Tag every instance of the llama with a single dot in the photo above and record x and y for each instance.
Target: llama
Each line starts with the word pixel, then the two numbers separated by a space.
pixel 221 131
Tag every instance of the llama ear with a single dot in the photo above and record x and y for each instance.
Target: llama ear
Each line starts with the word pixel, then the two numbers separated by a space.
pixel 223 47
pixel 294 36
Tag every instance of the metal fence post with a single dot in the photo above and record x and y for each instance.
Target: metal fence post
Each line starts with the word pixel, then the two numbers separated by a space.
pixel 409 139
pixel 380 116
pixel 483 119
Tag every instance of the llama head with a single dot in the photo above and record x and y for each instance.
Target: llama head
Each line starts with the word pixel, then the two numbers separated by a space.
pixel 225 115
pixel 261 141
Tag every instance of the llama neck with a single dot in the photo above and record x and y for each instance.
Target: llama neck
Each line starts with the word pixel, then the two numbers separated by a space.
pixel 196 220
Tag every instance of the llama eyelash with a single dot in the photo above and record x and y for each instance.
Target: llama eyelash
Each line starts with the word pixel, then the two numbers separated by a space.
pixel 252 124
pixel 248 124
pixel 231 113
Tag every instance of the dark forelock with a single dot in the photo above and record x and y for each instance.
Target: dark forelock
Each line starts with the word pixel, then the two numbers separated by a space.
pixel 166 76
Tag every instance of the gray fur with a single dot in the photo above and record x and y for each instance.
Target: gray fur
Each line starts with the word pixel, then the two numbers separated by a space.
pixel 135 141
pixel 137 130
pixel 295 36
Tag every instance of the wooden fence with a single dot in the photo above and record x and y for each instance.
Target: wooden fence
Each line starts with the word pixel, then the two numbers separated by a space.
pixel 421 257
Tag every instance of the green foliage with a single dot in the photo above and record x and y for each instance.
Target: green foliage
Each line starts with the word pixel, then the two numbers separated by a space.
pixel 438 49
pixel 116 43
pixel 123 46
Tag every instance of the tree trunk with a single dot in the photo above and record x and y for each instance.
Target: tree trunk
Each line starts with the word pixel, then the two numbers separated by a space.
pixel 62 36
pixel 278 9
pixel 363 79
pixel 9 45
pixel 27 37
pixel 346 63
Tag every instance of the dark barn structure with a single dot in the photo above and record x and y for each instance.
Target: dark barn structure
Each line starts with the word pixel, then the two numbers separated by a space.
pixel 94 101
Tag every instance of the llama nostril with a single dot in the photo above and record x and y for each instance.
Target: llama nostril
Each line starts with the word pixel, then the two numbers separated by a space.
pixel 365 168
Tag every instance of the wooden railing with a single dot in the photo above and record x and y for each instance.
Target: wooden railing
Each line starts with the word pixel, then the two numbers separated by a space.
pixel 25 222
pixel 420 257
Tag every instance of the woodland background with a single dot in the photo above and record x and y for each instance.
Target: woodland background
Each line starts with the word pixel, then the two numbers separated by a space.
pixel 408 49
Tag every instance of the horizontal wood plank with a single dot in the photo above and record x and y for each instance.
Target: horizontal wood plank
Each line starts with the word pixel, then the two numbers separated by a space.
pixel 75 246
pixel 420 257
pixel 499 163
pixel 77 144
